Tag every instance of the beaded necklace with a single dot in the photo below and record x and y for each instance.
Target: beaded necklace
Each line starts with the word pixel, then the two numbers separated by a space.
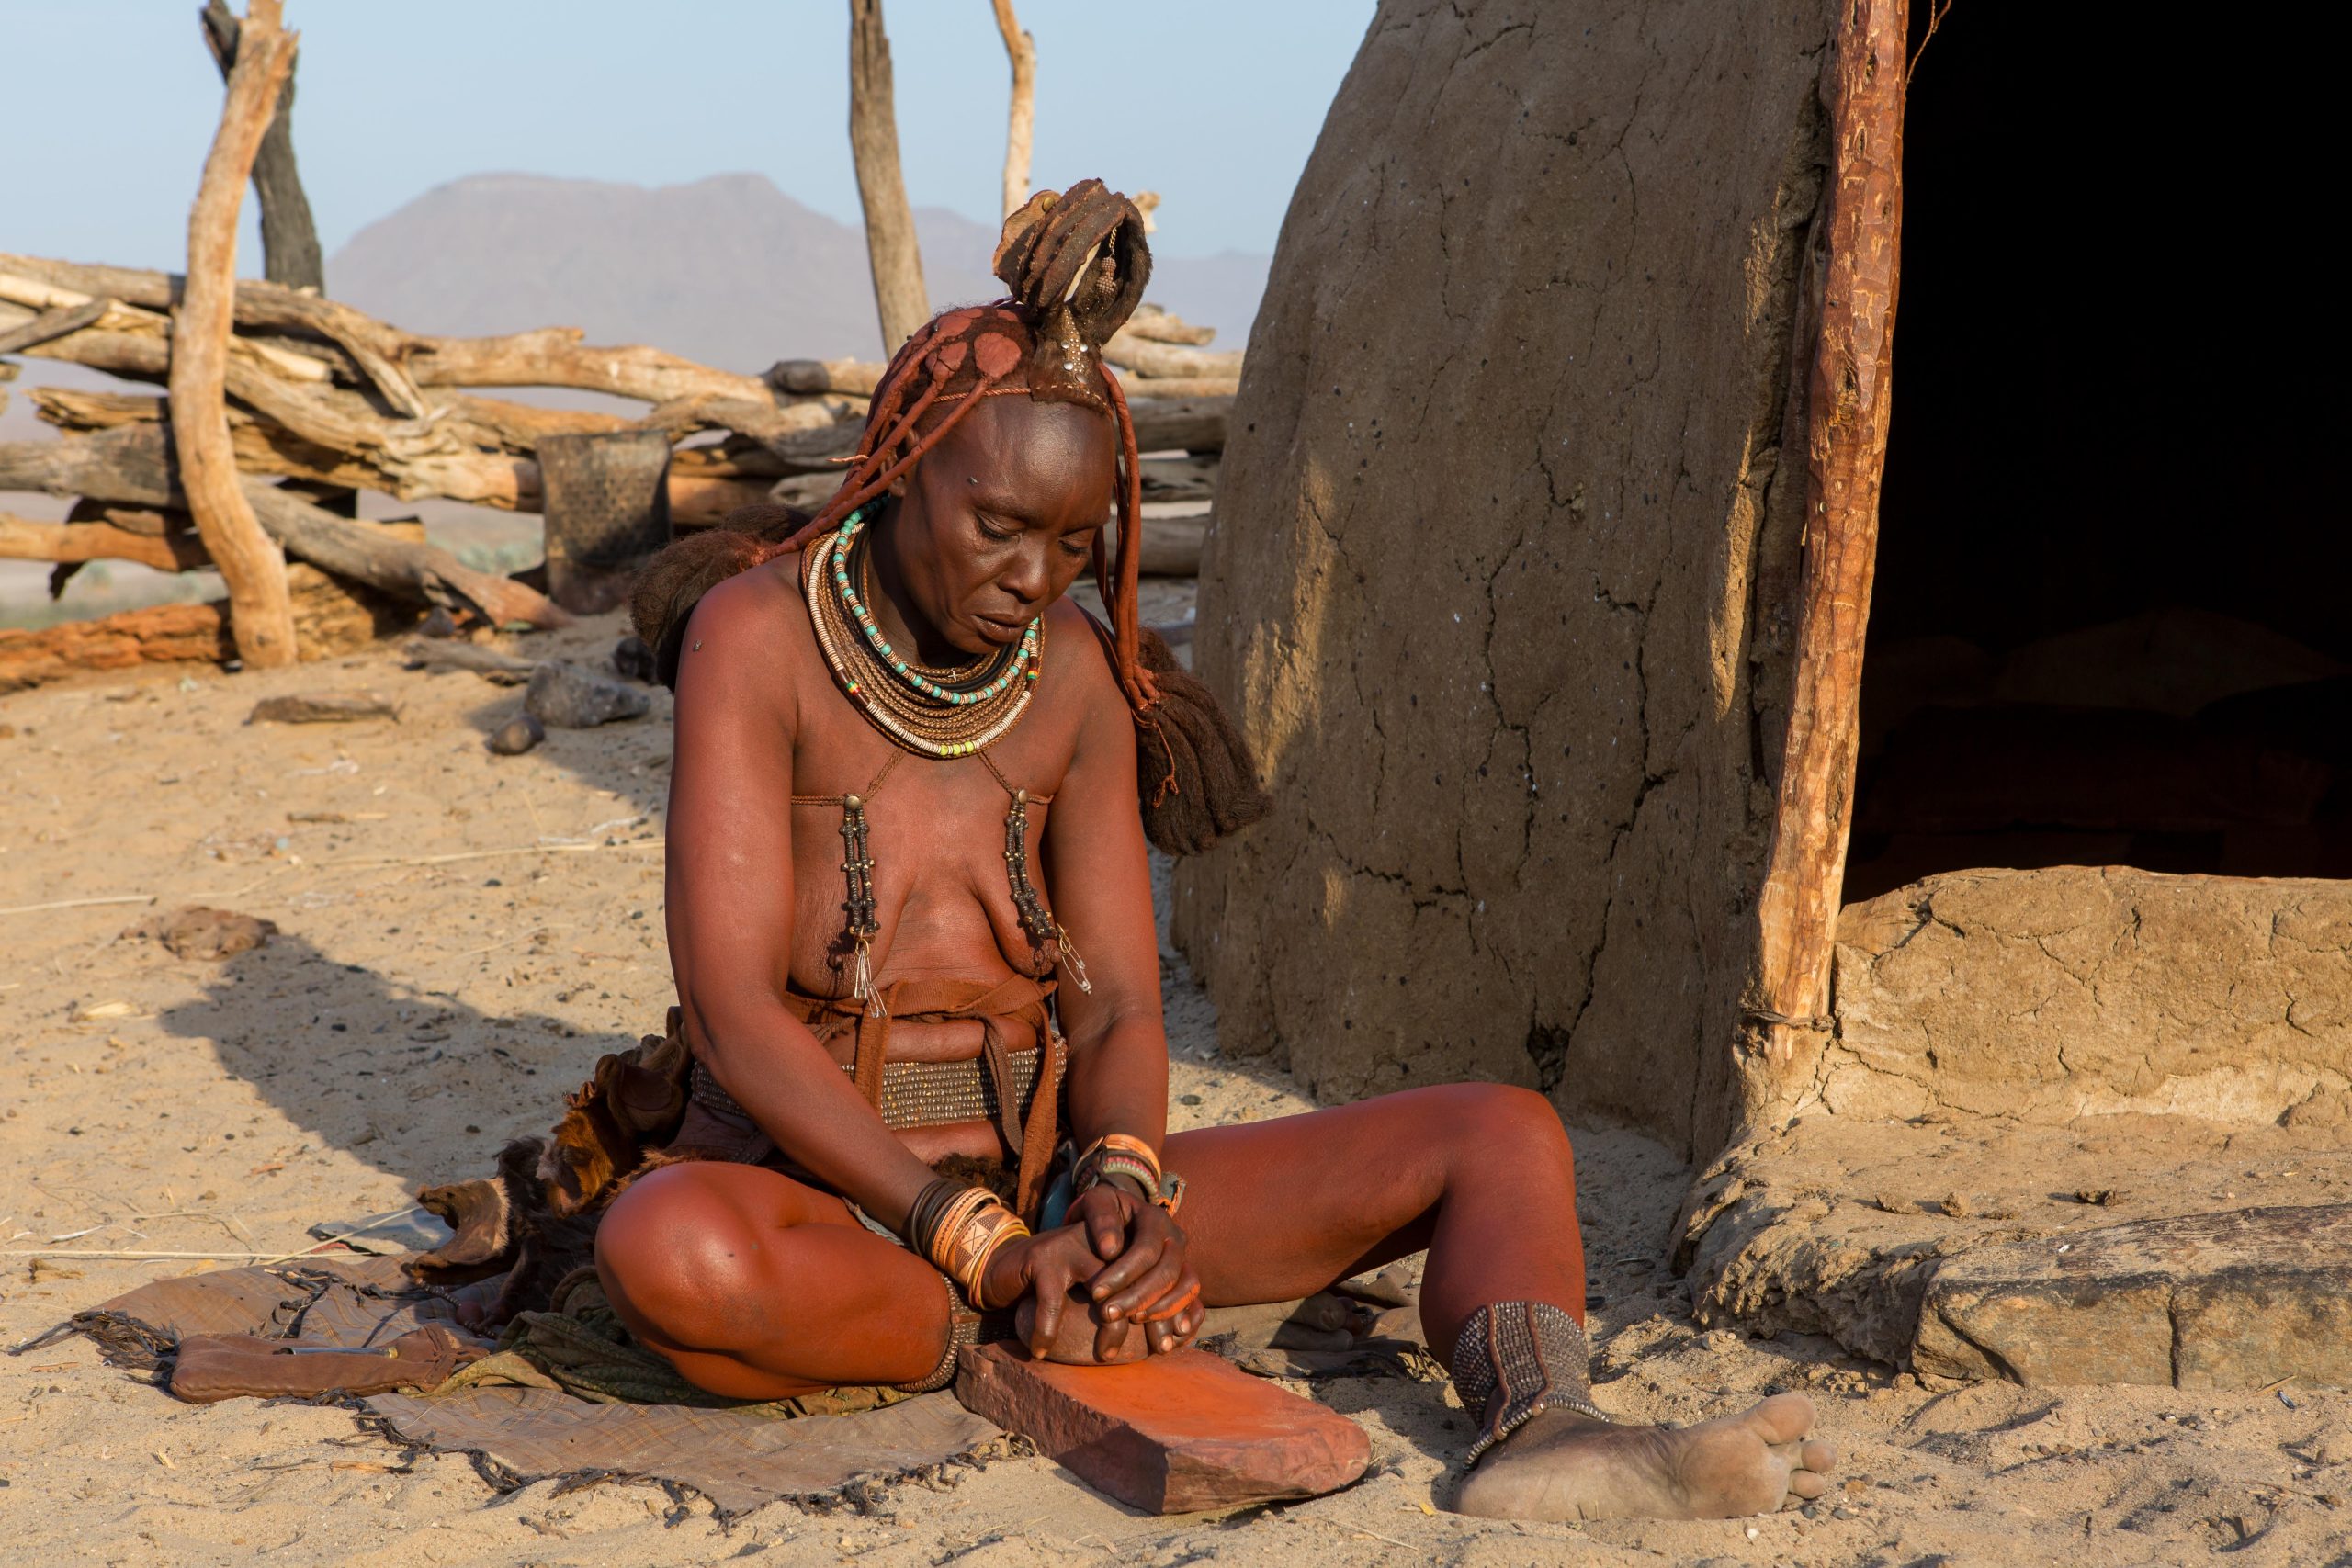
pixel 938 712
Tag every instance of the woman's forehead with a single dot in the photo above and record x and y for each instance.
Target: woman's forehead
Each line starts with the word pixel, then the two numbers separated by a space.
pixel 1034 457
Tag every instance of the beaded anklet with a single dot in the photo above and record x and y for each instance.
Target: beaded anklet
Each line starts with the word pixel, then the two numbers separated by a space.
pixel 1516 1358
pixel 963 1328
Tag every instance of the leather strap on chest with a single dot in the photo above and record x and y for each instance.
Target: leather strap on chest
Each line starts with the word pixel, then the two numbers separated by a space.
pixel 1033 1134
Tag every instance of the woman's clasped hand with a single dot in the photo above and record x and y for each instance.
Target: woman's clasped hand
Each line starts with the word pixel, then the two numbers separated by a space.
pixel 1112 1285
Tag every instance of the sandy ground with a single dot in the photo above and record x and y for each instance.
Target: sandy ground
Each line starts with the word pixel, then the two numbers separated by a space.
pixel 414 1011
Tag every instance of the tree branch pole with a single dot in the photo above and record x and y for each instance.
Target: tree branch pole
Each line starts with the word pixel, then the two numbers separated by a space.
pixel 290 239
pixel 1021 123
pixel 1847 398
pixel 251 563
pixel 890 248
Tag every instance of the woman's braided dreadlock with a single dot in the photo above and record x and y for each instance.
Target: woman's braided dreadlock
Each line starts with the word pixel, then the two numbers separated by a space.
pixel 1076 263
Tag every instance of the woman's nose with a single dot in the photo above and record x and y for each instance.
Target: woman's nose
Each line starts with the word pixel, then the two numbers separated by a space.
pixel 1028 577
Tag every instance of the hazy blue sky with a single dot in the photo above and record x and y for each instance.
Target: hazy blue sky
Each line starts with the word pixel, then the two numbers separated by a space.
pixel 1213 103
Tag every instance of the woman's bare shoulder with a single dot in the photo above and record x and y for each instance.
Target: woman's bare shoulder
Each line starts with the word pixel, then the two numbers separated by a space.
pixel 1076 645
pixel 754 622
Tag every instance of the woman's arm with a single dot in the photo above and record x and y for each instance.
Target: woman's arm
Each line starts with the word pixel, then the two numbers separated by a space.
pixel 1098 877
pixel 729 883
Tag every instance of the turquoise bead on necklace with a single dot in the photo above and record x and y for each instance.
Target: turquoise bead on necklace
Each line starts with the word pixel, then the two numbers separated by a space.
pixel 1026 663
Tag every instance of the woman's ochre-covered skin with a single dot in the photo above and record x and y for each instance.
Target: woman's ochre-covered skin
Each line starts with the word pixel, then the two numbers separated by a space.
pixel 758 1285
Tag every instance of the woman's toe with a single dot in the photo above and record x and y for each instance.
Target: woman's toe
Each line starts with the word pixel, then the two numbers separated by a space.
pixel 1807 1485
pixel 1783 1418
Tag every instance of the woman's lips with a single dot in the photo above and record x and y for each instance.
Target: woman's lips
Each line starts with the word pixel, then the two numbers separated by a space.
pixel 999 632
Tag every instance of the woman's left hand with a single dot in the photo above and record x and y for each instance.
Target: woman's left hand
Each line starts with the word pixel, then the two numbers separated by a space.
pixel 1146 1279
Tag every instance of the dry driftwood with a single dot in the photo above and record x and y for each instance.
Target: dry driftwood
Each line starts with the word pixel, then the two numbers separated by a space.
pixel 761 419
pixel 1178 479
pixel 1020 121
pixel 330 618
pixel 486 470
pixel 1181 425
pixel 66 543
pixel 1156 325
pixel 396 362
pixel 290 239
pixel 1182 389
pixel 1153 349
pixel 812 376
pixel 163 634
pixel 129 466
pixel 51 324
pixel 439 655
pixel 1194 424
pixel 489 478
pixel 1171 546
pixel 165 540
pixel 1153 361
pixel 249 561
pixel 897 261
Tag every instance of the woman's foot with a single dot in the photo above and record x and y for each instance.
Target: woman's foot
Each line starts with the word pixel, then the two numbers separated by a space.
pixel 1562 1466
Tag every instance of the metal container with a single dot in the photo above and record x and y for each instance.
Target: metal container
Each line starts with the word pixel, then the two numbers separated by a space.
pixel 608 509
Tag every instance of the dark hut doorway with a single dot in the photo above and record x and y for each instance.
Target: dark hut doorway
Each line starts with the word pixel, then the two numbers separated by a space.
pixel 2112 619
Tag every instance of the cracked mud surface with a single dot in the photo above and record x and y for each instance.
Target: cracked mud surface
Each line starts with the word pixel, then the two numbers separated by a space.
pixel 2077 991
pixel 1481 586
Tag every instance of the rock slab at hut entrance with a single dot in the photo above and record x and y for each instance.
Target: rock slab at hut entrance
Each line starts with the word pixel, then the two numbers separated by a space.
pixel 1486 589
pixel 2080 1125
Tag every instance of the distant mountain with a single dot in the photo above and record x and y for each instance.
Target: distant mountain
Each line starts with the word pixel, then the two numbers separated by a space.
pixel 728 270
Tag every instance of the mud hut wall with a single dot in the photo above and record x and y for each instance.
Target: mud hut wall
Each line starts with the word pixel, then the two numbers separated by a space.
pixel 1481 581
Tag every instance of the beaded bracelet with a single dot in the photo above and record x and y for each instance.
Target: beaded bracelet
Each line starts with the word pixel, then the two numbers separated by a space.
pixel 986 1232
pixel 960 1228
pixel 1115 1154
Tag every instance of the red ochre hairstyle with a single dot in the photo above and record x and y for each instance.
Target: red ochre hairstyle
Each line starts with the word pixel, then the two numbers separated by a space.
pixel 1076 263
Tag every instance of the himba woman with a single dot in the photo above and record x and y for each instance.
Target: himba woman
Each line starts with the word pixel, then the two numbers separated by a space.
pixel 909 910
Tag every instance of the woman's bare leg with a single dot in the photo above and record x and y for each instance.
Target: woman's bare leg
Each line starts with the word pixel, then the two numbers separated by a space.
pixel 757 1287
pixel 1478 1174
pixel 1481 1175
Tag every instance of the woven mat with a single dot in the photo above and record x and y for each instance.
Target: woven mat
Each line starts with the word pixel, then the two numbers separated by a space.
pixel 737 1459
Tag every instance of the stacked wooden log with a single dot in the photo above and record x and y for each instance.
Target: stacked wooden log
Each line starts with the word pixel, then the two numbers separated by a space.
pixel 1163 356
pixel 1180 393
pixel 319 394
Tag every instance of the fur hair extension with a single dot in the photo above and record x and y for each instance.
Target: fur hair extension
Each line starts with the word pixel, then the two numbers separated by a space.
pixel 1194 774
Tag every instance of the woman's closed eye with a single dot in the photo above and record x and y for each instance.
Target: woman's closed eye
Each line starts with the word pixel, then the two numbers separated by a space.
pixel 1080 545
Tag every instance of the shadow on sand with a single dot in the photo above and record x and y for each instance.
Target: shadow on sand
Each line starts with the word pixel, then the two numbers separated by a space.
pixel 413 1082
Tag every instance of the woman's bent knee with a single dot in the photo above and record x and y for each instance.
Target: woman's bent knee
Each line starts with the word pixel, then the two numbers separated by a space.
pixel 1503 1119
pixel 668 1248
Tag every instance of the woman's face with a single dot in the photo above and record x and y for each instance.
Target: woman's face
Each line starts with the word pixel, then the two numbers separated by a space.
pixel 997 520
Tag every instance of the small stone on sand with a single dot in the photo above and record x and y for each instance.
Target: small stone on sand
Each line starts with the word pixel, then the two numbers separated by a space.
pixel 517 735
pixel 632 661
pixel 567 697
pixel 199 931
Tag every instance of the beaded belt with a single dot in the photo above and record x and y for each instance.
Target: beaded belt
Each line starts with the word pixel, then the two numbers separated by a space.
pixel 918 1094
